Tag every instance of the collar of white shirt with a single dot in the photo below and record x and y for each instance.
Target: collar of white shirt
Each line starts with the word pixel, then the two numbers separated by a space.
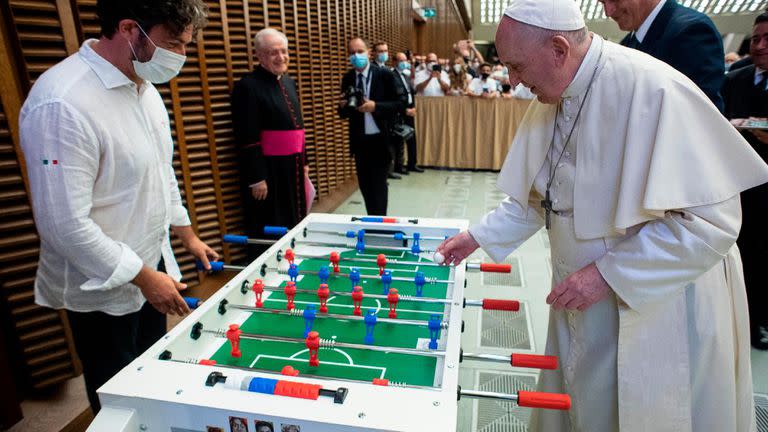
pixel 109 75
pixel 643 29
pixel 758 74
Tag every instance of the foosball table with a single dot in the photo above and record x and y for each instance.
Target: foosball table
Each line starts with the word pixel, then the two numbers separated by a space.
pixel 344 324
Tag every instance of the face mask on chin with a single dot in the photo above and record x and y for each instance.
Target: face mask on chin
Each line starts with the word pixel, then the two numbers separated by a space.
pixel 162 67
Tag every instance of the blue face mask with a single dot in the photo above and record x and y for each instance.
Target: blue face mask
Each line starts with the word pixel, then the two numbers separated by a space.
pixel 403 65
pixel 358 60
pixel 383 57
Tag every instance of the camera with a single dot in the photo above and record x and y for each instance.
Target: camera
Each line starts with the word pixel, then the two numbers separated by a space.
pixel 354 98
pixel 437 68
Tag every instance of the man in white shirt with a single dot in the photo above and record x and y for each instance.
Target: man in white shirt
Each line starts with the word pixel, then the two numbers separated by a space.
pixel 97 143
pixel 484 86
pixel 433 80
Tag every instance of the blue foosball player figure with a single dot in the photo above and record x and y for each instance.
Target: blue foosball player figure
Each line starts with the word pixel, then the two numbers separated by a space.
pixel 434 330
pixel 370 323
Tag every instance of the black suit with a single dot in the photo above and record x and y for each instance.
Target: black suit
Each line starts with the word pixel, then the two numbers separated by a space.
pixel 371 151
pixel 743 100
pixel 406 91
pixel 688 41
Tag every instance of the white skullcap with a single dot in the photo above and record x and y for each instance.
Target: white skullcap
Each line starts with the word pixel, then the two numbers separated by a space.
pixel 558 15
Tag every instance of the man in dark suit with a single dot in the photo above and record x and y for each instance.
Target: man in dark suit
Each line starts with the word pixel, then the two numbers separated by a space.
pixel 407 93
pixel 683 38
pixel 370 123
pixel 745 96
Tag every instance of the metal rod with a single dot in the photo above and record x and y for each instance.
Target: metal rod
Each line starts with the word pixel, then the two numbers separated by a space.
pixel 487 357
pixel 331 343
pixel 378 296
pixel 379 235
pixel 371 260
pixel 488 395
pixel 443 324
pixel 348 246
pixel 303 375
pixel 364 276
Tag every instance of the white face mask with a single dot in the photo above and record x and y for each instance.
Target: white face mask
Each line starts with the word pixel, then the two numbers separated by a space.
pixel 457 68
pixel 162 67
pixel 406 72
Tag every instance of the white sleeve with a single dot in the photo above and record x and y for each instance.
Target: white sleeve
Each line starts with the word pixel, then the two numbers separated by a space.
pixel 62 195
pixel 420 78
pixel 474 86
pixel 445 78
pixel 179 215
pixel 504 229
pixel 667 254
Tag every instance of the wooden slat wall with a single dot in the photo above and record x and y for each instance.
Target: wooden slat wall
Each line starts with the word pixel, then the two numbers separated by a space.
pixel 41 33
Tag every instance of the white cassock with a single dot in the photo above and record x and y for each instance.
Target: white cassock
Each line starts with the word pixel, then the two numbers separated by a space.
pixel 648 188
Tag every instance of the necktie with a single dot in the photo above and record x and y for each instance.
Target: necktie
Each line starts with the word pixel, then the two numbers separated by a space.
pixel 360 85
pixel 761 80
pixel 633 42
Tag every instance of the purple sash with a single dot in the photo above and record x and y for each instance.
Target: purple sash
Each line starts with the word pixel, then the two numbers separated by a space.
pixel 282 142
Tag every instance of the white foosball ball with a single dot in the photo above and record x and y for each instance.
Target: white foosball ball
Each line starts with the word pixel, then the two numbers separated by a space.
pixel 344 324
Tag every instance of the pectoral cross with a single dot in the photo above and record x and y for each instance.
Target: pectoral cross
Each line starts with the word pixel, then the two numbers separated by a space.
pixel 546 204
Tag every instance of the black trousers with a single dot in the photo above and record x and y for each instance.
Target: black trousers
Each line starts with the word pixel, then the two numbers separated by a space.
pixel 411 144
pixel 107 343
pixel 372 162
pixel 396 153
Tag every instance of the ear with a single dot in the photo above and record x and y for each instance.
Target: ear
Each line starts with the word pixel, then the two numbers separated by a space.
pixel 126 28
pixel 561 48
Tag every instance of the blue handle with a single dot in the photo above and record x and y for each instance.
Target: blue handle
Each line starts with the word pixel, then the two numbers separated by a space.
pixel 192 302
pixel 236 239
pixel 398 236
pixel 216 266
pixel 372 219
pixel 351 234
pixel 275 230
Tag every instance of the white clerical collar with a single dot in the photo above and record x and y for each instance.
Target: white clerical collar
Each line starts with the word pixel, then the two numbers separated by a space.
pixel 646 25
pixel 586 70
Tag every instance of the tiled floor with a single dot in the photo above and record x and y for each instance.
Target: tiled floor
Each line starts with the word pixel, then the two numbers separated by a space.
pixel 469 195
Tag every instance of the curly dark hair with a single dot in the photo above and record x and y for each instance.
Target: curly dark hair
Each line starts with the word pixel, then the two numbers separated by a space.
pixel 176 15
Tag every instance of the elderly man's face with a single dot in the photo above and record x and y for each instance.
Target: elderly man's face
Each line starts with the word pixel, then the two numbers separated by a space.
pixel 530 62
pixel 758 46
pixel 273 55
pixel 628 14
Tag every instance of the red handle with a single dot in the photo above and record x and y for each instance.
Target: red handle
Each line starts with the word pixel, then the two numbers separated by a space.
pixel 298 390
pixel 499 304
pixel 533 361
pixel 544 400
pixel 496 268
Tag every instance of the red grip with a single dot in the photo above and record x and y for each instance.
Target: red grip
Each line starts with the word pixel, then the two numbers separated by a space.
pixel 389 220
pixel 533 361
pixel 207 362
pixel 544 400
pixel 495 268
pixel 298 390
pixel 499 304
pixel 381 382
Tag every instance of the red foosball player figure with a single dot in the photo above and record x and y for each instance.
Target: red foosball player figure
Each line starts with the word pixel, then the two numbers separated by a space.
pixel 258 289
pixel 233 334
pixel 392 299
pixel 290 256
pixel 290 294
pixel 357 299
pixel 313 345
pixel 322 294
pixel 381 261
pixel 335 258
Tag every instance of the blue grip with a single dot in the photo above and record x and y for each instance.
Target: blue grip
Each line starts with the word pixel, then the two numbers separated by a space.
pixel 351 234
pixel 398 236
pixel 262 385
pixel 372 219
pixel 216 266
pixel 275 230
pixel 236 239
pixel 192 302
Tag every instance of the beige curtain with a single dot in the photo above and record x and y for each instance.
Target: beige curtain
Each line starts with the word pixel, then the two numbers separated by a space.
pixel 466 132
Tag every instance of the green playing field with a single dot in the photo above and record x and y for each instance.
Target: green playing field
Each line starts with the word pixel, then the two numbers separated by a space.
pixel 348 363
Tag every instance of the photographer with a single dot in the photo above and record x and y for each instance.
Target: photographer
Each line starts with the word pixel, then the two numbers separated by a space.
pixel 370 101
pixel 432 81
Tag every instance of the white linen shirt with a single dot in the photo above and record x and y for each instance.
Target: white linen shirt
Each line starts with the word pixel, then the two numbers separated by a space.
pixel 477 85
pixel 99 158
pixel 433 88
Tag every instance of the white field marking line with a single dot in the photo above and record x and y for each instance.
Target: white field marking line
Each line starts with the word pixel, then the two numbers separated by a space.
pixel 402 254
pixel 382 369
pixel 349 359
pixel 378 306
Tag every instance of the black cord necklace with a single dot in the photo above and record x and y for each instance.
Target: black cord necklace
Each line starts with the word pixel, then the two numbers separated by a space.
pixel 546 203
